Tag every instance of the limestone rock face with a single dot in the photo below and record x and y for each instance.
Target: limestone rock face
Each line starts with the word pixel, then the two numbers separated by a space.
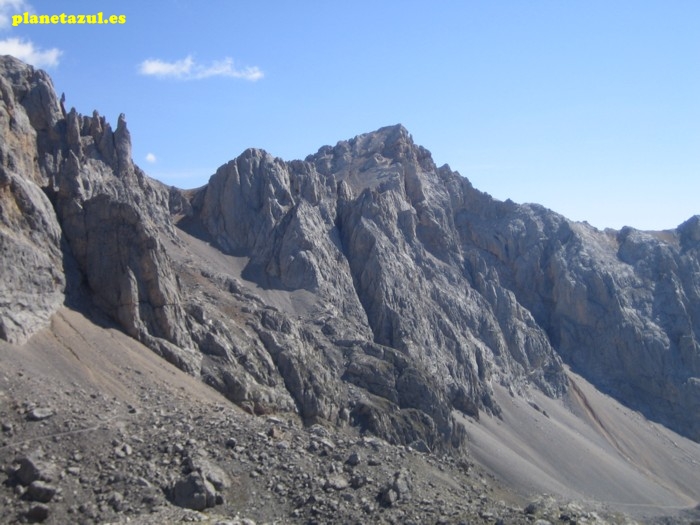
pixel 457 289
pixel 619 307
pixel 363 286
pixel 32 281
pixel 71 196
pixel 368 229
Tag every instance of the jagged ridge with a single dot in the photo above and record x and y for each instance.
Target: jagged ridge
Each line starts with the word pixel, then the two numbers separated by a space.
pixel 375 289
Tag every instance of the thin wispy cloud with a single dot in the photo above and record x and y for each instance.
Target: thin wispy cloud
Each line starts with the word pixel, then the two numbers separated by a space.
pixel 189 69
pixel 27 52
pixel 9 8
pixel 151 158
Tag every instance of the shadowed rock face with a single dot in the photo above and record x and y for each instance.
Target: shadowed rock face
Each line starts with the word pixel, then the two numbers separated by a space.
pixel 620 307
pixel 362 286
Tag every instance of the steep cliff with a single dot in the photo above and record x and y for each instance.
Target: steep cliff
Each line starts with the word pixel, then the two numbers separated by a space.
pixel 363 286
pixel 469 289
pixel 32 280
pixel 368 229
pixel 620 307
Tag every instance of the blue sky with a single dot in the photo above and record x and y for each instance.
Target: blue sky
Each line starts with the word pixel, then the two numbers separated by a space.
pixel 591 108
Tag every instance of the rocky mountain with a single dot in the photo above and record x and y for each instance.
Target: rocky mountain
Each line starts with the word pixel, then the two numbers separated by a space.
pixel 363 288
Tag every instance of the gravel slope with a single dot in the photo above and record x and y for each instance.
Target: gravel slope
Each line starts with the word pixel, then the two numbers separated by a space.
pixel 111 430
pixel 588 447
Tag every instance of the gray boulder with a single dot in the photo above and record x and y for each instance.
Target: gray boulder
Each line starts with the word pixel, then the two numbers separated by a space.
pixel 33 467
pixel 40 491
pixel 193 492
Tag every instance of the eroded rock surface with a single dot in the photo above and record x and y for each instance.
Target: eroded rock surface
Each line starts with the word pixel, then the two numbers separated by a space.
pixel 362 287
pixel 32 280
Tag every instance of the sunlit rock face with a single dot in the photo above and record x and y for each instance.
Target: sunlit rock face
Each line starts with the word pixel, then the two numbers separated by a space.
pixel 362 286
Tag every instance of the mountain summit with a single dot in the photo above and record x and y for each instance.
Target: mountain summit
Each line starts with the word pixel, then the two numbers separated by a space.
pixel 363 288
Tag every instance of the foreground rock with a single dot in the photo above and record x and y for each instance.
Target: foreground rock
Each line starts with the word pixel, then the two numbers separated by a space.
pixel 195 457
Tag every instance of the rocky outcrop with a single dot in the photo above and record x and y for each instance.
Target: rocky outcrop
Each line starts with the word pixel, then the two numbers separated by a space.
pixel 619 307
pixel 114 220
pixel 459 290
pixel 363 286
pixel 71 197
pixel 404 335
pixel 31 275
pixel 32 281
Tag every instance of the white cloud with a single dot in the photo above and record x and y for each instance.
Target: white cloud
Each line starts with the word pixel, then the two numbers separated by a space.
pixel 158 68
pixel 151 158
pixel 27 52
pixel 188 69
pixel 9 8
